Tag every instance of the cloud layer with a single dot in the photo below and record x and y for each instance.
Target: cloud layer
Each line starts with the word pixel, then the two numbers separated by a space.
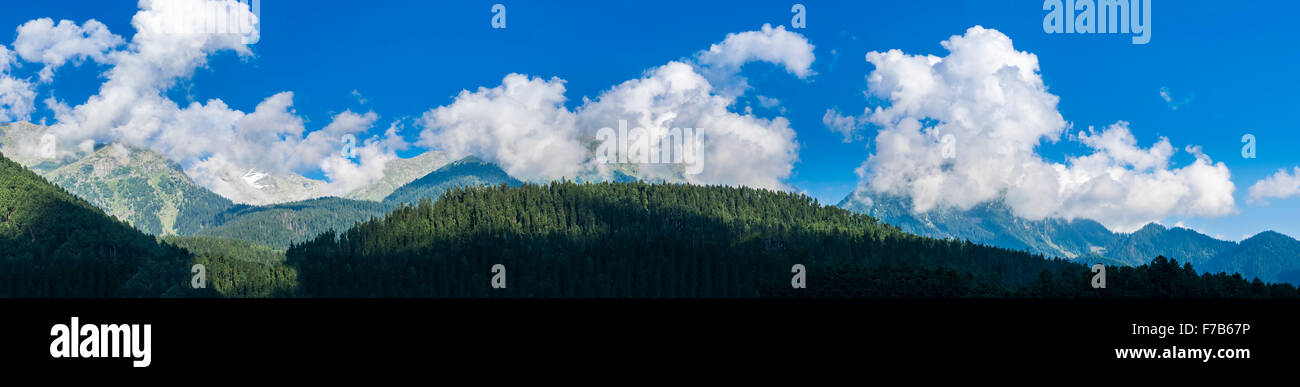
pixel 990 103
pixel 17 96
pixel 521 124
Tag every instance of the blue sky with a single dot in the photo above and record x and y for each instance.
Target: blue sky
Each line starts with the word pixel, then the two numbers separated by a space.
pixel 1229 66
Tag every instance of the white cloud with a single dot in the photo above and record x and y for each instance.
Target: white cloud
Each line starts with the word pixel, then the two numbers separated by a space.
pixel 722 61
pixel 845 125
pixel 7 59
pixel 524 126
pixel 17 96
pixel 772 45
pixel 360 98
pixel 1168 96
pixel 43 41
pixel 992 102
pixel 1280 185
pixel 737 149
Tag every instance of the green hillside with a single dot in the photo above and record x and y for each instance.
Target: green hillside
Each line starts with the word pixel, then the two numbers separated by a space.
pixel 143 188
pixel 279 225
pixel 1269 255
pixel 240 269
pixel 56 245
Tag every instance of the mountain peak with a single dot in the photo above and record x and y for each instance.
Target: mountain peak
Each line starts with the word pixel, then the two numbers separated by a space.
pixel 398 173
pixel 1151 227
pixel 1269 236
pixel 468 171
pixel 472 159
pixel 141 187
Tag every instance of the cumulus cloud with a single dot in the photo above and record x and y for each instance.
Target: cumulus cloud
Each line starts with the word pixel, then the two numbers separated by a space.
pixel 43 41
pixel 1280 185
pixel 524 126
pixel 722 61
pixel 963 129
pixel 773 45
pixel 736 149
pixel 17 96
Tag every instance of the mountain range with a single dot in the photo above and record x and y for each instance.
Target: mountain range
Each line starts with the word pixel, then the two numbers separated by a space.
pixel 1270 256
pixel 154 195
pixel 562 239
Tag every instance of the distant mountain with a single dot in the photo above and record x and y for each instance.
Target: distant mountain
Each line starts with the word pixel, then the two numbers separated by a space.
pixel 1180 243
pixel 257 188
pixel 469 171
pixel 400 172
pixel 280 225
pixel 53 244
pixel 993 224
pixel 34 147
pixel 1273 257
pixel 1269 255
pixel 143 188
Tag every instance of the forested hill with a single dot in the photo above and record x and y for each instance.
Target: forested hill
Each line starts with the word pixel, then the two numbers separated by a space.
pixel 278 225
pixel 666 240
pixel 53 244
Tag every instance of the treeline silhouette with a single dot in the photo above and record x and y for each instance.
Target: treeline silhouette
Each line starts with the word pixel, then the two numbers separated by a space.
pixel 669 240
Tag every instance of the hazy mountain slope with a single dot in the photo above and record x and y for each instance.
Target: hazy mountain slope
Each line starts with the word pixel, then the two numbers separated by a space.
pixel 992 224
pixel 400 172
pixel 1270 256
pixel 143 188
pixel 469 171
pixel 259 188
pixel 279 225
pixel 29 144
pixel 53 244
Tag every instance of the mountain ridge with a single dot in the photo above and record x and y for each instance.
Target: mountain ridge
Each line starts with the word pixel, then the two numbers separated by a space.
pixel 1083 240
pixel 144 188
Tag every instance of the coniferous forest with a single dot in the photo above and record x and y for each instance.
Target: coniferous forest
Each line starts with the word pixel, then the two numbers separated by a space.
pixel 668 240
